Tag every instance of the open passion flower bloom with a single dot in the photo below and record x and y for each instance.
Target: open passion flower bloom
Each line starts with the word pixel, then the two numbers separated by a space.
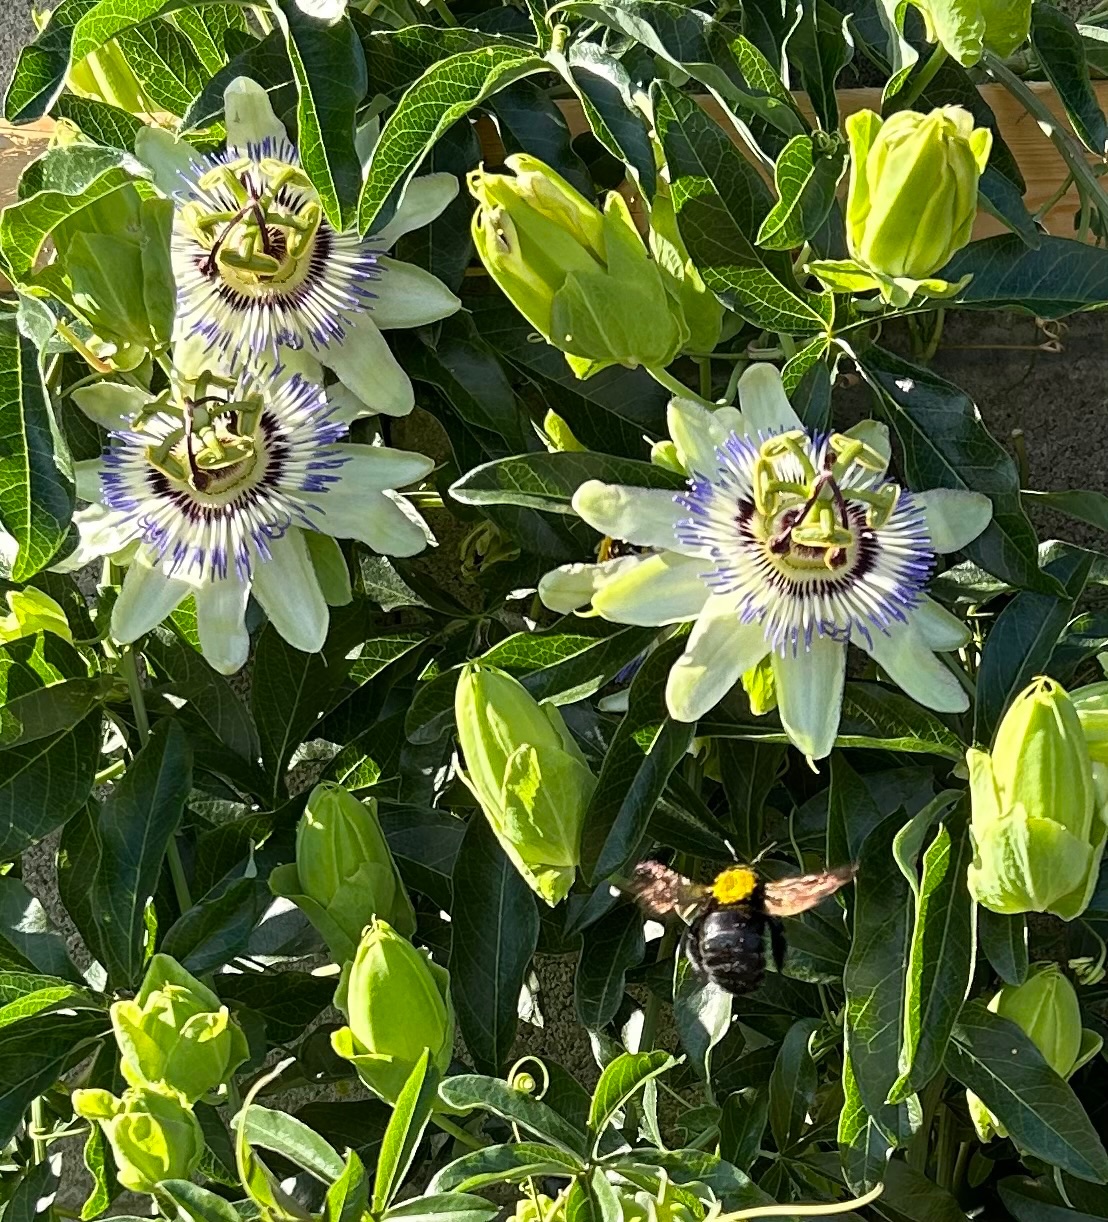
pixel 784 545
pixel 230 488
pixel 259 267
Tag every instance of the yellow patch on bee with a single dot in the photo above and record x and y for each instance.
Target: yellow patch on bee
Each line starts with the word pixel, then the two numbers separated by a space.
pixel 735 886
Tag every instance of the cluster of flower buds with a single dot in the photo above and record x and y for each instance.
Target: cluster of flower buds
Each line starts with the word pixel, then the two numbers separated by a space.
pixel 344 875
pixel 965 29
pixel 1040 804
pixel 177 1045
pixel 582 277
pixel 528 775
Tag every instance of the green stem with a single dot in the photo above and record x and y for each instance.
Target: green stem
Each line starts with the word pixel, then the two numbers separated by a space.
pixel 1071 152
pixel 447 16
pixel 110 773
pixel 458 1133
pixel 38 1129
pixel 704 364
pixel 923 77
pixel 664 378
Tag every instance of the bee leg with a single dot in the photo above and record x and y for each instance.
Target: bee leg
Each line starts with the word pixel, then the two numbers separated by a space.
pixel 777 942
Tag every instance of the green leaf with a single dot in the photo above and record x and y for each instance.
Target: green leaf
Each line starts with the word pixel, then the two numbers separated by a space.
pixel 1061 53
pixel 940 962
pixel 41 67
pixel 76 175
pixel 945 445
pixel 195 1204
pixel 45 783
pixel 106 19
pixel 1023 636
pixel 217 929
pixel 330 71
pixel 495 924
pixel 348 1196
pixel 50 710
pixel 863 1146
pixel 807 176
pixel 440 1206
pixel 265 61
pixel 133 832
pixel 38 1184
pixel 992 1057
pixel 548 481
pixel 625 1076
pixel 1080 503
pixel 875 975
pixel 702 1012
pixel 1003 942
pixel 469 1091
pixel 792 1086
pixel 101 1168
pixel 294 1140
pixel 409 1120
pixel 446 92
pixel 27 935
pixel 742 1126
pixel 1029 1200
pixel 1059 277
pixel 646 748
pixel 721 201
pixel 36 1051
pixel 819 47
pixel 103 124
pixel 36 496
pixel 504 1165
pixel 288 1002
pixel 165 63
pixel 750 770
pixel 610 947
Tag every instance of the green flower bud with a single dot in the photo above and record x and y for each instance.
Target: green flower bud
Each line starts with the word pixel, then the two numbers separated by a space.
pixel 528 775
pixel 154 1136
pixel 397 1003
pixel 344 874
pixel 176 1035
pixel 966 28
pixel 913 188
pixel 581 278
pixel 1091 703
pixel 1037 826
pixel 1046 1009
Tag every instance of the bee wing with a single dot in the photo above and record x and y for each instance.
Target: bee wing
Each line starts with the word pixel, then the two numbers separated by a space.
pixel 663 891
pixel 791 896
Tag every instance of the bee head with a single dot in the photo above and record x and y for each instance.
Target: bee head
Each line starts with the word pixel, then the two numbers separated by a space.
pixel 734 886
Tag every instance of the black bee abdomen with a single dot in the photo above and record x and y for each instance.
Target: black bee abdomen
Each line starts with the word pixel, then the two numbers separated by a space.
pixel 728 946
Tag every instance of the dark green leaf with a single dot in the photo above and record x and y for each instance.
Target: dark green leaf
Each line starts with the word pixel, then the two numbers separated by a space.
pixel 1081 503
pixel 720 201
pixel 750 771
pixel 742 1126
pixel 1059 277
pixel 470 1091
pixel 792 1088
pixel 992 1057
pixel 28 937
pixel 217 929
pixel 1061 53
pixel 819 47
pixel 609 948
pixel 945 445
pixel 504 1165
pixel 1003 941
pixel 495 925
pixel 40 69
pixel 445 93
pixel 443 1207
pixel 409 1119
pixel 807 176
pixel 165 64
pixel 645 749
pixel 1029 1200
pixel 330 71
pixel 265 61
pixel 109 125
pixel 289 1002
pixel 863 1146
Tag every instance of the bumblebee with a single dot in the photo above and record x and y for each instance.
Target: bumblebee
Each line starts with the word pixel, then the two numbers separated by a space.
pixel 729 918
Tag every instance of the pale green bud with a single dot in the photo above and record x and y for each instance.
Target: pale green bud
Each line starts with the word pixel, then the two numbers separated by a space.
pixel 154 1136
pixel 582 278
pixel 528 775
pixel 913 188
pixel 966 28
pixel 1091 703
pixel 1046 1009
pixel 344 874
pixel 1038 832
pixel 176 1035
pixel 397 1003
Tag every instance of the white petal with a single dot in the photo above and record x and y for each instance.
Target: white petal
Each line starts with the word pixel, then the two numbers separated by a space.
pixel 375 468
pixel 660 589
pixel 954 517
pixel 111 404
pixel 373 518
pixel 169 159
pixel 103 532
pixel 86 479
pixel 147 597
pixel 719 649
pixel 646 517
pixel 424 199
pixel 908 661
pixel 875 435
pixel 810 694
pixel 940 629
pixel 289 593
pixel 249 114
pixel 221 623
pixel 363 363
pixel 345 405
pixel 407 296
pixel 765 406
pixel 572 586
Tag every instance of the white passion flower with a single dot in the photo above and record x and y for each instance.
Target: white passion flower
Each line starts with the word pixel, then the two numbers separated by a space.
pixel 259 268
pixel 222 489
pixel 784 545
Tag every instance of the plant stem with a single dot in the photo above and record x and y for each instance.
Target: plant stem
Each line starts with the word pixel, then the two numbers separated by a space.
pixel 38 1126
pixel 458 1133
pixel 1072 153
pixel 704 363
pixel 117 768
pixel 923 77
pixel 664 378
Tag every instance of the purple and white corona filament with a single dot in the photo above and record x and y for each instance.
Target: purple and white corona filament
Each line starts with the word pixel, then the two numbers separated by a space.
pixel 257 263
pixel 783 549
